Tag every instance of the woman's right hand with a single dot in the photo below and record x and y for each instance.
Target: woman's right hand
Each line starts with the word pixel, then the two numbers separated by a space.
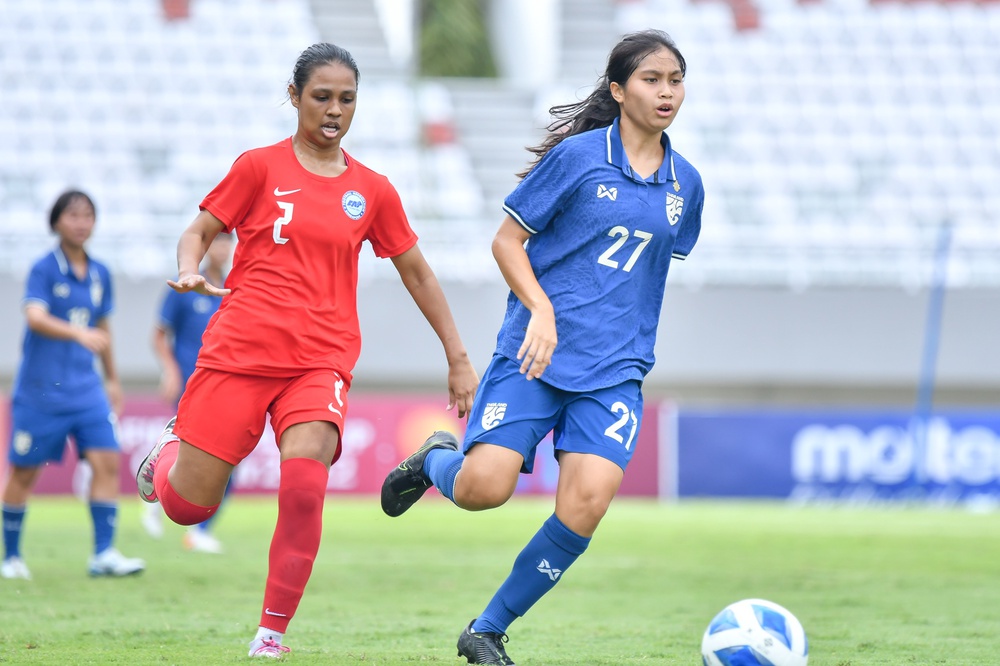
pixel 540 341
pixel 96 340
pixel 196 283
pixel 170 385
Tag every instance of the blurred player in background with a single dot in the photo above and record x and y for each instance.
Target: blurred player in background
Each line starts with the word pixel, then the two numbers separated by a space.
pixel 286 337
pixel 58 392
pixel 176 341
pixel 589 234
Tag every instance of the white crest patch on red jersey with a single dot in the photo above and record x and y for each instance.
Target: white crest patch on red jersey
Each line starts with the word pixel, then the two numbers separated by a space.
pixel 354 204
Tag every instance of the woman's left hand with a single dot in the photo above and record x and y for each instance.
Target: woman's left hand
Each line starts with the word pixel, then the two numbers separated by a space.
pixel 115 396
pixel 462 384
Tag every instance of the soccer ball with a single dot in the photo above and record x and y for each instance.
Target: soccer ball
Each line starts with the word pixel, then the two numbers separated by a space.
pixel 754 632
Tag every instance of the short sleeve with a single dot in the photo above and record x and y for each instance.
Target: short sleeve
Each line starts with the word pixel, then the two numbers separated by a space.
pixel 231 199
pixel 690 229
pixel 540 196
pixel 389 232
pixel 107 304
pixel 170 311
pixel 38 287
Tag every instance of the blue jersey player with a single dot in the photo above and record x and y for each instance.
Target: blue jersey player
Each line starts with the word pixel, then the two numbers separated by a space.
pixel 58 393
pixel 176 342
pixel 589 235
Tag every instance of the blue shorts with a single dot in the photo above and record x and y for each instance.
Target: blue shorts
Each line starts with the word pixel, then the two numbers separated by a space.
pixel 39 436
pixel 512 412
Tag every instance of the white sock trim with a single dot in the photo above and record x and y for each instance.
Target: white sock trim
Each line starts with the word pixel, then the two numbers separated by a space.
pixel 263 633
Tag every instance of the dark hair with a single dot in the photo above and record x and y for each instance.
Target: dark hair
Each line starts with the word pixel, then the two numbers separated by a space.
pixel 600 109
pixel 316 56
pixel 63 201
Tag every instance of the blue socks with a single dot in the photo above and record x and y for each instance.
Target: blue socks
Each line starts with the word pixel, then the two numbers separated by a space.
pixel 13 518
pixel 537 568
pixel 104 515
pixel 441 467
pixel 536 571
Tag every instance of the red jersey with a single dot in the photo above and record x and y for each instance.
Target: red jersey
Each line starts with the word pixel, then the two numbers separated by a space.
pixel 293 305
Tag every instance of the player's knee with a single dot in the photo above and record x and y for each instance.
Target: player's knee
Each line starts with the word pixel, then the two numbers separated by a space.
pixel 584 512
pixel 477 493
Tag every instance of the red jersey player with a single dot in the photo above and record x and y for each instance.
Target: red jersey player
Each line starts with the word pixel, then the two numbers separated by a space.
pixel 286 337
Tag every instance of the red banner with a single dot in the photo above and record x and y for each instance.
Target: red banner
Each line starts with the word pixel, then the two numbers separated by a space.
pixel 381 429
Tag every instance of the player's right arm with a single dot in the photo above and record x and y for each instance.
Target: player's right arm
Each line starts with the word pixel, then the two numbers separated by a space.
pixel 170 375
pixel 42 322
pixel 163 346
pixel 191 249
pixel 540 339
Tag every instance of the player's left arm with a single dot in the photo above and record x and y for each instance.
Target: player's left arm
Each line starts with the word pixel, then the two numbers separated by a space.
pixel 424 288
pixel 111 382
pixel 540 338
pixel 191 249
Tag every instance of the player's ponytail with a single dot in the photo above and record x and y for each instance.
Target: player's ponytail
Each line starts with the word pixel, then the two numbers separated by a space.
pixel 600 109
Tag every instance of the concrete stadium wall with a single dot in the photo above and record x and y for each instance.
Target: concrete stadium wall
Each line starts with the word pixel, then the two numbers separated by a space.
pixel 837 346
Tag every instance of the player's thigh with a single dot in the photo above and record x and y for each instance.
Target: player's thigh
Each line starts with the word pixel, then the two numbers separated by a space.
pixel 317 440
pixel 604 423
pixel 96 430
pixel 511 412
pixel 37 436
pixel 308 416
pixel 95 435
pixel 224 414
pixel 595 440
pixel 198 476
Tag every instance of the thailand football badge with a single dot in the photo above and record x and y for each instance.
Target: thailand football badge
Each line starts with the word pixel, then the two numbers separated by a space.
pixel 675 206
pixel 493 414
pixel 96 291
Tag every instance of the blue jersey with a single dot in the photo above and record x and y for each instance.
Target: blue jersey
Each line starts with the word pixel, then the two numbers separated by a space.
pixel 601 242
pixel 186 316
pixel 60 375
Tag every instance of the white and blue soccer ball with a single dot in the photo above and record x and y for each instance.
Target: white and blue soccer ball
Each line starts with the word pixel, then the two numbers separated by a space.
pixel 754 632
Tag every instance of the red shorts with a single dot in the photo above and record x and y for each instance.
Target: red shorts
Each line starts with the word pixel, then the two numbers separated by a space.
pixel 223 413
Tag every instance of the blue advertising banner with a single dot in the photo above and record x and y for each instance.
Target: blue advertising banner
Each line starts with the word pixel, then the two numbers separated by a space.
pixel 839 455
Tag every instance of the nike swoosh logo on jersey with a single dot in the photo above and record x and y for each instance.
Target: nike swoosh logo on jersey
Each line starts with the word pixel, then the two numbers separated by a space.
pixel 279 193
pixel 268 611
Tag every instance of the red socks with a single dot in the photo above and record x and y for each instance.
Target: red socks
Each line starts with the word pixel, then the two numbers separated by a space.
pixel 301 492
pixel 176 507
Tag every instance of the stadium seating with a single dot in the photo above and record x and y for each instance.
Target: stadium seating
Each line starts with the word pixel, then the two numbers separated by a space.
pixel 147 113
pixel 838 137
pixel 835 137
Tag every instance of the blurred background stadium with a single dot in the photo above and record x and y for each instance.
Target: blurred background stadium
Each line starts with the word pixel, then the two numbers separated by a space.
pixel 850 149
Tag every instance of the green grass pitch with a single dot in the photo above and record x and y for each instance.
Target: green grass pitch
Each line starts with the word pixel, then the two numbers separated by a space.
pixel 871 586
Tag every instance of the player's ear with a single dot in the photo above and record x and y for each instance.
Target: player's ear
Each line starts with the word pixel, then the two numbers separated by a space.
pixel 292 95
pixel 617 91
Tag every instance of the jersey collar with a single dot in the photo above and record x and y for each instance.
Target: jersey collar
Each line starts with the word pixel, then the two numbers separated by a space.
pixel 63 264
pixel 616 156
pixel 61 260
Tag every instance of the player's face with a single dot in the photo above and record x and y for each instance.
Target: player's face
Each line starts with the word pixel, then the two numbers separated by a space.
pixel 326 106
pixel 76 223
pixel 653 94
